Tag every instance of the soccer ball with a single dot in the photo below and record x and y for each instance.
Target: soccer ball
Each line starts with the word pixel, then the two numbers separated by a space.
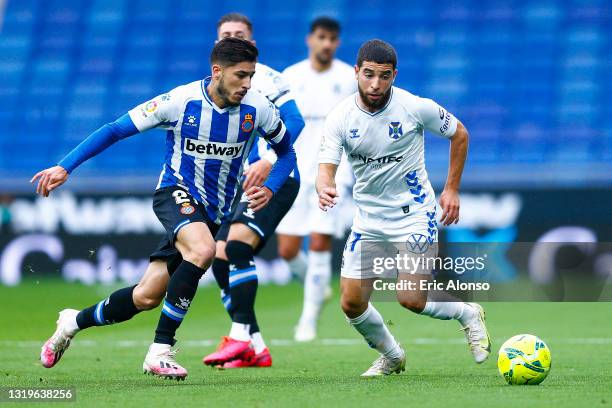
pixel 524 359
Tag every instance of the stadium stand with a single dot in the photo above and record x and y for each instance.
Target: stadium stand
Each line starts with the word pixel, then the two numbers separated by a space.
pixel 528 78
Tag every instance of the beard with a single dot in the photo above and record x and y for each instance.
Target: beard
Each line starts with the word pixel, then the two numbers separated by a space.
pixel 224 94
pixel 324 58
pixel 374 105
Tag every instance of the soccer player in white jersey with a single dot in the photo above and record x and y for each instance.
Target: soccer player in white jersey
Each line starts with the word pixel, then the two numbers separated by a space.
pixel 211 125
pixel 381 130
pixel 318 83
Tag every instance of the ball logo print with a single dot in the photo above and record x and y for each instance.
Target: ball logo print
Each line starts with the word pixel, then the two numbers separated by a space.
pixel 524 360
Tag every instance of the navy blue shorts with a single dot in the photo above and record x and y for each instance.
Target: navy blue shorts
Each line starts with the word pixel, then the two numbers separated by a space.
pixel 175 208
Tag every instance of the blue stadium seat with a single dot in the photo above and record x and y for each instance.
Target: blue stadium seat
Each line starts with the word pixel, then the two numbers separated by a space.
pixel 529 78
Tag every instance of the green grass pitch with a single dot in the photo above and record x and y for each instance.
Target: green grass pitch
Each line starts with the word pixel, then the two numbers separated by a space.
pixel 104 364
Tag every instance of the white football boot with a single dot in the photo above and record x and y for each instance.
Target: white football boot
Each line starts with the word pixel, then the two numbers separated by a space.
pixel 386 366
pixel 305 332
pixel 160 362
pixel 477 335
pixel 54 348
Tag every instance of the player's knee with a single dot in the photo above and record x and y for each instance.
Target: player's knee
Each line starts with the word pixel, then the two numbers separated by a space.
pixel 237 250
pixel 320 242
pixel 200 255
pixel 288 252
pixel 415 305
pixel 352 306
pixel 145 300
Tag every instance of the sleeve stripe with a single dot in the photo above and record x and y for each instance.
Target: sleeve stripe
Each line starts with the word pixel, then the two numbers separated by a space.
pixel 277 139
pixel 279 96
pixel 272 136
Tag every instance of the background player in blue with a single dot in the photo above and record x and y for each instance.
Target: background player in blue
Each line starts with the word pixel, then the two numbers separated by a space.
pixel 211 125
pixel 246 234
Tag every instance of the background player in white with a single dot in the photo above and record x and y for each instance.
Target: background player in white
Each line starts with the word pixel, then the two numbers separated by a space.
pixel 211 126
pixel 247 232
pixel 381 129
pixel 318 83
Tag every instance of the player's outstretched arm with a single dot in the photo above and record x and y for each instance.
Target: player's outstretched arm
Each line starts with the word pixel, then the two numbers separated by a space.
pixel 449 199
pixel 326 185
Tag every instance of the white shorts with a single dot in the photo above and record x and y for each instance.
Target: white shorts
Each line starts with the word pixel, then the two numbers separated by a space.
pixel 306 217
pixel 374 239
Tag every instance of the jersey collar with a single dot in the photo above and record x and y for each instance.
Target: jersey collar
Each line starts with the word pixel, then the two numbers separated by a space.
pixel 378 111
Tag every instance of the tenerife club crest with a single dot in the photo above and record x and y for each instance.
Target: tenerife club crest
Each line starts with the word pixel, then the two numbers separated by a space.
pixel 247 123
pixel 395 130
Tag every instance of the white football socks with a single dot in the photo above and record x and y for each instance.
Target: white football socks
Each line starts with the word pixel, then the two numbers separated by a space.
pixel 240 331
pixel 449 310
pixel 316 281
pixel 373 329
pixel 298 265
pixel 258 342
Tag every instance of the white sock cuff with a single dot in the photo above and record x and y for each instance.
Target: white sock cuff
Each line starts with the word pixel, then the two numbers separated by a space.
pixel 240 331
pixel 363 317
pixel 319 257
pixel 429 308
pixel 298 259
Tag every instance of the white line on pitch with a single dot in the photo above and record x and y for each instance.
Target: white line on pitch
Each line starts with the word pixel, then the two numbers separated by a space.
pixel 290 343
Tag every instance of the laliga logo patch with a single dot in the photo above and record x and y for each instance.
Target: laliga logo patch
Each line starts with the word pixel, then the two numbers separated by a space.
pixel 417 243
pixel 151 107
pixel 187 209
pixel 247 123
pixel 395 130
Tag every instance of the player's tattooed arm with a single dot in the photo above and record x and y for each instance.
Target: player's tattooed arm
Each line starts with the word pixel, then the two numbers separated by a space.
pixel 449 199
pixel 326 185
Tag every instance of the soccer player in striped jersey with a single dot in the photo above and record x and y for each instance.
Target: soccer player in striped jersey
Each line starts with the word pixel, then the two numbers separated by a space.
pixel 248 231
pixel 211 125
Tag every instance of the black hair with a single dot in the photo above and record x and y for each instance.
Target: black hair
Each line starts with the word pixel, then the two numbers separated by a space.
pixel 326 23
pixel 232 51
pixel 377 51
pixel 237 18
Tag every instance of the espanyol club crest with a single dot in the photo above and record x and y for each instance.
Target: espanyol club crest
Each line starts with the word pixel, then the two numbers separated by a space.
pixel 187 209
pixel 395 130
pixel 247 123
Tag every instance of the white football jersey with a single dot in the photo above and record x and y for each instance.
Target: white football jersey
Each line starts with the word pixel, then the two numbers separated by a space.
pixel 316 94
pixel 385 149
pixel 271 84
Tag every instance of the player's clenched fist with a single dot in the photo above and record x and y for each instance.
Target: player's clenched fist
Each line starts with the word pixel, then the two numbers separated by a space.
pixel 258 197
pixel 328 197
pixel 49 179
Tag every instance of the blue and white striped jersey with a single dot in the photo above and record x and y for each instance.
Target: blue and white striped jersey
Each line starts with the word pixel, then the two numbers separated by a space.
pixel 206 146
